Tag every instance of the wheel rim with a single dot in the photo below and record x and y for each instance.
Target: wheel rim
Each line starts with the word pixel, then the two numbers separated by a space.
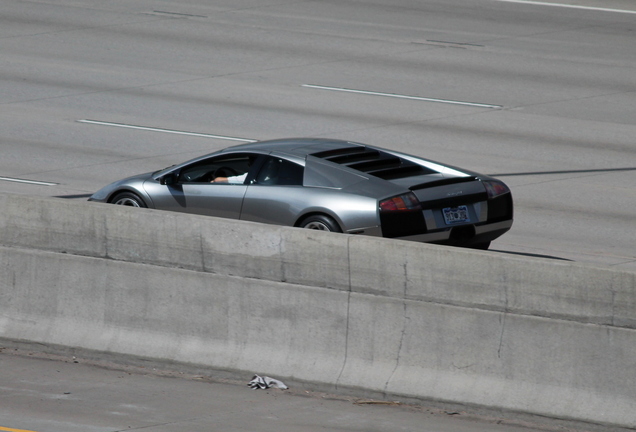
pixel 127 202
pixel 315 225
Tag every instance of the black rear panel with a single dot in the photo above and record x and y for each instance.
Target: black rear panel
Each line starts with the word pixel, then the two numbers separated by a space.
pixel 403 223
pixel 500 208
pixel 454 201
pixel 450 192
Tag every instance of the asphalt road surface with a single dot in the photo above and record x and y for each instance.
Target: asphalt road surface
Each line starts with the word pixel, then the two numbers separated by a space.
pixel 55 394
pixel 541 95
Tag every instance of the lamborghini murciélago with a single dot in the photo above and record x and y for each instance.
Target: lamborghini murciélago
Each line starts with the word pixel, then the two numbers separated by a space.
pixel 330 185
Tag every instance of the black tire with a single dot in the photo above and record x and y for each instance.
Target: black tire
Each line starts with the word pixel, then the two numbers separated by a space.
pixel 321 223
pixel 128 199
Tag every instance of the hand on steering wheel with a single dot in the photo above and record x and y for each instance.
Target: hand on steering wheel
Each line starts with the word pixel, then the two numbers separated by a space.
pixel 221 174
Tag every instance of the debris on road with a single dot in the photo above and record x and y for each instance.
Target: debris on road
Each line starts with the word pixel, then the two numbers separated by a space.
pixel 259 382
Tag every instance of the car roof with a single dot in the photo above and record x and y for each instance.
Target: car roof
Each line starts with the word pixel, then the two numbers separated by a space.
pixel 346 162
pixel 352 156
pixel 301 147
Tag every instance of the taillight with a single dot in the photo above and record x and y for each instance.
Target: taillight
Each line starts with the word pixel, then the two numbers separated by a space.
pixel 495 188
pixel 405 202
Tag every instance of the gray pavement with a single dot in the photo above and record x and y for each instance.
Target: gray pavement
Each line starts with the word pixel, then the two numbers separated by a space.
pixel 53 393
pixel 563 79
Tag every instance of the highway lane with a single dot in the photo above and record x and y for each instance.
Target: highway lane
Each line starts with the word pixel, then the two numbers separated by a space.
pixel 63 394
pixel 550 92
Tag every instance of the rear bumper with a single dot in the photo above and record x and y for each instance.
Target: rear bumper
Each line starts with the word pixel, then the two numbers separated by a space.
pixel 463 235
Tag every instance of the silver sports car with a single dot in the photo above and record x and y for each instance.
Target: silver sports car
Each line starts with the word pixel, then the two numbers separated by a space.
pixel 329 185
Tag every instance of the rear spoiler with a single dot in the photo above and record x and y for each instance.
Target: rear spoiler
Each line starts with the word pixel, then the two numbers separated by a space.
pixel 443 182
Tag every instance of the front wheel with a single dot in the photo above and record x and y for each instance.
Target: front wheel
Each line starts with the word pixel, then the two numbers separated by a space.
pixel 128 199
pixel 321 223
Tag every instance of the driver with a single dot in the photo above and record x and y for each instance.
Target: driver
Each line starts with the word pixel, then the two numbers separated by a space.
pixel 238 179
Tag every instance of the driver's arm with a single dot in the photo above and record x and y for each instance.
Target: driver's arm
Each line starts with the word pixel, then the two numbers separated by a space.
pixel 239 179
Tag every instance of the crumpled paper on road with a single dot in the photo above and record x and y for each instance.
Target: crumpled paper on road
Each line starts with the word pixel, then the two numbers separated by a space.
pixel 259 382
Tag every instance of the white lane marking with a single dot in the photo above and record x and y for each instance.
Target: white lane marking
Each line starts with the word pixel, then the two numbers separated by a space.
pixel 170 131
pixel 399 96
pixel 33 182
pixel 179 14
pixel 570 6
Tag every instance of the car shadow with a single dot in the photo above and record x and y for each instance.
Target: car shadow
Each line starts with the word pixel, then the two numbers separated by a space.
pixel 602 170
pixel 530 255
pixel 77 196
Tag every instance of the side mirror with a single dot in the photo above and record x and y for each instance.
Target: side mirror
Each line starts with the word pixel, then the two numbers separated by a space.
pixel 168 179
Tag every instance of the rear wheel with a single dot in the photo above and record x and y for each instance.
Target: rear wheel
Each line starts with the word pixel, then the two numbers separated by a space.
pixel 321 223
pixel 128 199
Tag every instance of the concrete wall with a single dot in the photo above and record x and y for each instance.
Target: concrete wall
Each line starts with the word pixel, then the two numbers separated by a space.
pixel 403 319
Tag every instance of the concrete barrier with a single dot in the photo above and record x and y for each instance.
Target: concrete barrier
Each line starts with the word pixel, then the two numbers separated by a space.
pixel 395 318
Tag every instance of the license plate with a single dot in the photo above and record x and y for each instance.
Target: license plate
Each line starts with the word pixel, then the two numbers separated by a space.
pixel 455 215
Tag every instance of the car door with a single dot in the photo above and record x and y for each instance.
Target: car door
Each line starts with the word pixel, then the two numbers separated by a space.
pixel 191 189
pixel 275 195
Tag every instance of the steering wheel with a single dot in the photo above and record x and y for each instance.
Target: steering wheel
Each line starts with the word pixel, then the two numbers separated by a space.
pixel 224 172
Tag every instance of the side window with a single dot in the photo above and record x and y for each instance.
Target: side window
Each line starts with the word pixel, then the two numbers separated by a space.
pixel 277 171
pixel 233 168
